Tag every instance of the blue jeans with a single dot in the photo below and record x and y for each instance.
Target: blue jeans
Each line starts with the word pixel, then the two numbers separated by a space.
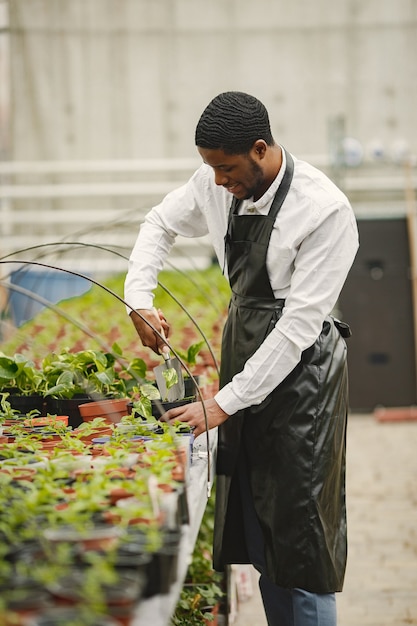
pixel 283 607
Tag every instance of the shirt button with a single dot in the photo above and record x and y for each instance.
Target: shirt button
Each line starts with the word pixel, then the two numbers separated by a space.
pixel 251 209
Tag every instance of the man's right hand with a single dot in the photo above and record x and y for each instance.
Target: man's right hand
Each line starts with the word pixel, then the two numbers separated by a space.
pixel 148 337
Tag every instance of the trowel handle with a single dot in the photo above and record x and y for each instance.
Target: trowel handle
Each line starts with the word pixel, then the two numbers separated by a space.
pixel 167 356
pixel 166 353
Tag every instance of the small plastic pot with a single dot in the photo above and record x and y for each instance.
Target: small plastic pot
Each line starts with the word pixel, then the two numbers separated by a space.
pixel 159 408
pixel 26 404
pixel 67 406
pixel 162 570
pixel 62 616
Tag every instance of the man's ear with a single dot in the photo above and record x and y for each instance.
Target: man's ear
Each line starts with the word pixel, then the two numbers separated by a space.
pixel 259 148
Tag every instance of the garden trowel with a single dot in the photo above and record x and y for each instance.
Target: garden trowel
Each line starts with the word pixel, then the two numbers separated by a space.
pixel 176 391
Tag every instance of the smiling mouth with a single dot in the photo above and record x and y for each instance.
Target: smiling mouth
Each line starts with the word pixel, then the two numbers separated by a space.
pixel 233 188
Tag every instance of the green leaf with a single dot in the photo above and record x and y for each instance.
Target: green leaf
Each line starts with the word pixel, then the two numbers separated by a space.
pixel 59 391
pixel 193 351
pixel 66 379
pixel 137 368
pixel 117 349
pixel 171 377
pixel 8 368
pixel 144 407
pixel 106 377
pixel 190 356
pixel 149 391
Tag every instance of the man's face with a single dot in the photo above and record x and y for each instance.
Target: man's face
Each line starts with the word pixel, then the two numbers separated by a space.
pixel 241 174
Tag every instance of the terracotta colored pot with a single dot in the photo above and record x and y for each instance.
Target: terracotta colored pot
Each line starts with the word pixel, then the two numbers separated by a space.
pixel 112 410
pixel 22 473
pixel 46 421
pixel 50 441
pixel 214 610
pixel 120 472
pixel 98 432
pixel 118 493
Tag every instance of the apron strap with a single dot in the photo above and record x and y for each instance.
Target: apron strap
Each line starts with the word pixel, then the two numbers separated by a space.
pixel 277 202
pixel 284 187
pixel 281 192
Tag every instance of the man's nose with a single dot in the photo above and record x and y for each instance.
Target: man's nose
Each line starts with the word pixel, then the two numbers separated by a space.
pixel 220 178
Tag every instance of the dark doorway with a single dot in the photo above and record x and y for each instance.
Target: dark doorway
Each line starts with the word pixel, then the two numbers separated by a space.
pixel 377 303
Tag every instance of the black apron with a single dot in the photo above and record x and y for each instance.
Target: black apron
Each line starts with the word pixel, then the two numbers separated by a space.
pixel 294 441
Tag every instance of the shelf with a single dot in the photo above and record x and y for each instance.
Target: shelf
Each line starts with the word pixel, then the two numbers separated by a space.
pixel 159 609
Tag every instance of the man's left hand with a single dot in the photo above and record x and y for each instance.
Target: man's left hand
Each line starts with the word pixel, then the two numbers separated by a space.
pixel 193 414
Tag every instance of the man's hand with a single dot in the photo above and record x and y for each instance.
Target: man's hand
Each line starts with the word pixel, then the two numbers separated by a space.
pixel 149 338
pixel 193 415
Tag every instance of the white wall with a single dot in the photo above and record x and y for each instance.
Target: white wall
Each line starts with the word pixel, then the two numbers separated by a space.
pixel 93 79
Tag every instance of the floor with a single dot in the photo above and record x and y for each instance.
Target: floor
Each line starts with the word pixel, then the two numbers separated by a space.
pixel 381 578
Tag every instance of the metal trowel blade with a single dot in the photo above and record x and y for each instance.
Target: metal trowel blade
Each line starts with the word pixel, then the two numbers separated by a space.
pixel 177 391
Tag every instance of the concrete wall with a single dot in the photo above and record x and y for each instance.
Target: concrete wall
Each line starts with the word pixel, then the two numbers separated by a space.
pixel 97 79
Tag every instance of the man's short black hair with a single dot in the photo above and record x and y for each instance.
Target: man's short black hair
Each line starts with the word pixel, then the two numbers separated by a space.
pixel 232 122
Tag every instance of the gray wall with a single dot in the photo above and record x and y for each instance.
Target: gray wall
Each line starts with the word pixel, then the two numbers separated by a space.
pixel 108 79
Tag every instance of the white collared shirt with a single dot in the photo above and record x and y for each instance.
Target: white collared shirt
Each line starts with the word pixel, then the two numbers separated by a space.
pixel 312 247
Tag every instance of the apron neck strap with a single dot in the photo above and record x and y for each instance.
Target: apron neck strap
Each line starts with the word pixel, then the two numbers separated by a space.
pixel 281 192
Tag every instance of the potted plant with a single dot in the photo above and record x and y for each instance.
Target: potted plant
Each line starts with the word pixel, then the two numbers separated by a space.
pixel 71 379
pixel 58 485
pixel 202 593
pixel 7 413
pixel 87 431
pixel 149 405
pixel 198 604
pixel 68 616
pixel 23 381
pixel 75 378
pixel 116 592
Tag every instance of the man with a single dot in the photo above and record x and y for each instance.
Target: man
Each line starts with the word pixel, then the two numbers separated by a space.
pixel 286 237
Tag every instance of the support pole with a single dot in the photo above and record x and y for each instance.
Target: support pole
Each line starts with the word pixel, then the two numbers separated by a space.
pixel 411 211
